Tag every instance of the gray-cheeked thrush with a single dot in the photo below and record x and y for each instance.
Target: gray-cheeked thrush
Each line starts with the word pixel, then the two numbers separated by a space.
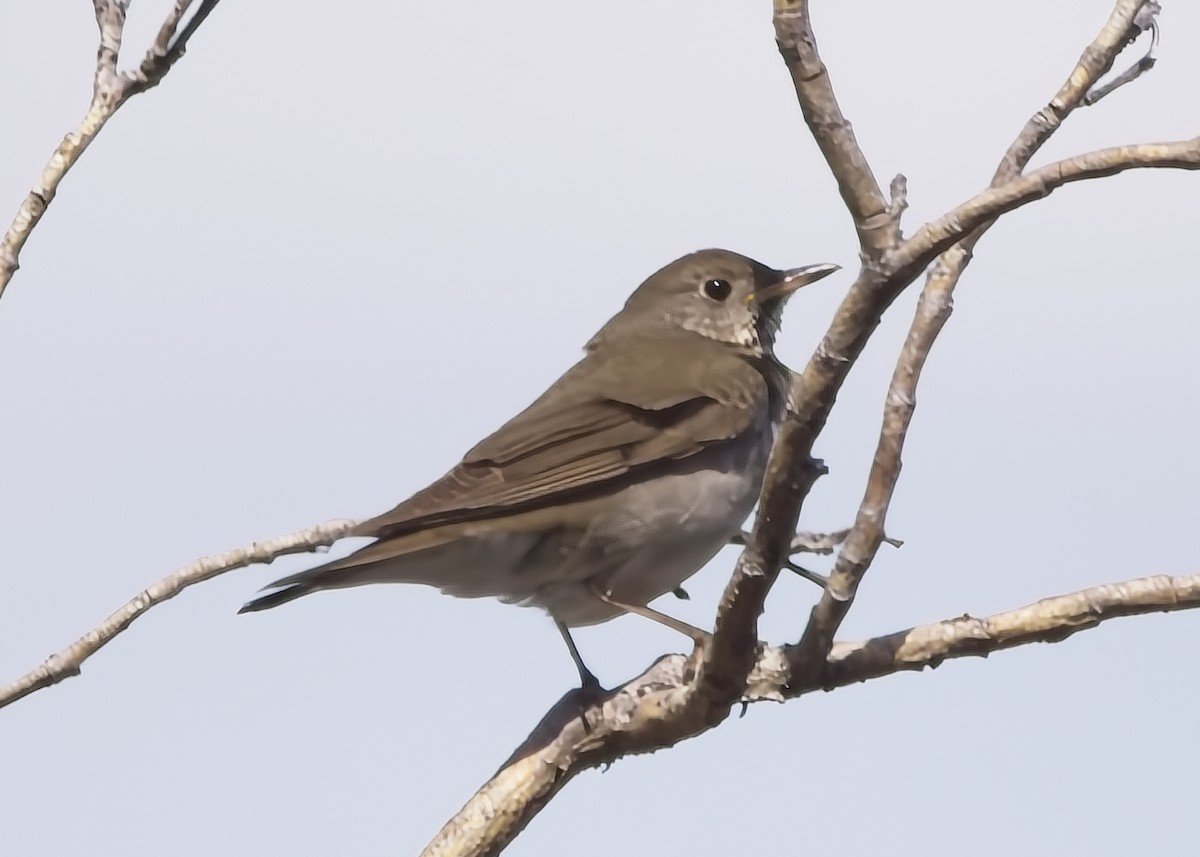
pixel 628 474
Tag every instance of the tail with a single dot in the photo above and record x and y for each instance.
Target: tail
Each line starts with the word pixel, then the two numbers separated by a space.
pixel 274 599
pixel 295 585
pixel 384 561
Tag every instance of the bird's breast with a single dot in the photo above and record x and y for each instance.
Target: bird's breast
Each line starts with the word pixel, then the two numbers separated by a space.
pixel 664 529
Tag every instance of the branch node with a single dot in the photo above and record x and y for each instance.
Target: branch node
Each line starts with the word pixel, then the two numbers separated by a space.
pixel 1145 19
pixel 61 667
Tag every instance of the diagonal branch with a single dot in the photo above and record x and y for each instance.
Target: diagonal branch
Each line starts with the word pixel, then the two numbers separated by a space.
pixel 1097 59
pixel 110 89
pixel 793 470
pixel 877 230
pixel 933 309
pixel 652 710
pixel 679 698
pixel 67 662
pixel 967 223
pixel 981 210
pixel 169 45
pixel 867 534
pixel 1146 19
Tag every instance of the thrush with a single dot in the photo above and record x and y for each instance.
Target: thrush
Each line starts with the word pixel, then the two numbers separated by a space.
pixel 622 480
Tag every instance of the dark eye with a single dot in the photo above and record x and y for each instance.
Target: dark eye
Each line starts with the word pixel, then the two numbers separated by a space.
pixel 718 290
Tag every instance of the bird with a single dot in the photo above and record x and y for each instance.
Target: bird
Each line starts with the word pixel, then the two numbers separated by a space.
pixel 622 480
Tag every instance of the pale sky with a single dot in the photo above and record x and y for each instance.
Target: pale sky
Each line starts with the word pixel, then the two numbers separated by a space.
pixel 343 242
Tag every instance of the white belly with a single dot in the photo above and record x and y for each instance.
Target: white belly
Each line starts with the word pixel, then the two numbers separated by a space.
pixel 664 531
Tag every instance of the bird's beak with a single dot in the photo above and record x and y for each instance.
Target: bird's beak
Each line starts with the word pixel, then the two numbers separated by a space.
pixel 791 280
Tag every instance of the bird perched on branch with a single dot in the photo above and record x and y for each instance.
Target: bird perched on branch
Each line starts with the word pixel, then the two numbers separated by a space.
pixel 622 480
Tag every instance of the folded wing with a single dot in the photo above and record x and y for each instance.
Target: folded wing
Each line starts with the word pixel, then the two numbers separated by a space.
pixel 595 427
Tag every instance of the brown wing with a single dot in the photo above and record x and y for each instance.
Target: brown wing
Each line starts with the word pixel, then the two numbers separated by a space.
pixel 600 422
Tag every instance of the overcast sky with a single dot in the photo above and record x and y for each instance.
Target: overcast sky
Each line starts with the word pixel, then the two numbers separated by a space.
pixel 343 242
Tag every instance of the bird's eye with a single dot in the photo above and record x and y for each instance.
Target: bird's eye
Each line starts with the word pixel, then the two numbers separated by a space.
pixel 718 290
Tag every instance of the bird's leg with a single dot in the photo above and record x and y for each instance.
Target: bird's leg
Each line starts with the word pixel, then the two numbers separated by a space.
pixel 811 576
pixel 587 679
pixel 699 637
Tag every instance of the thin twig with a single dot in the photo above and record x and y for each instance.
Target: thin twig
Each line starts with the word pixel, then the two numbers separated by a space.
pixel 110 19
pixel 867 534
pixel 67 663
pixel 878 229
pixel 1147 19
pixel 983 208
pixel 169 45
pixel 110 89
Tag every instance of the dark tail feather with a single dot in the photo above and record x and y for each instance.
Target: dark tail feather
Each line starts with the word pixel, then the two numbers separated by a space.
pixel 279 596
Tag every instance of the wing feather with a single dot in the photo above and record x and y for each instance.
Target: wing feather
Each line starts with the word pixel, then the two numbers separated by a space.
pixel 602 421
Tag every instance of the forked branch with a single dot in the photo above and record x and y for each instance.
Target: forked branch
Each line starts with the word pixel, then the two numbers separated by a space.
pixel 110 89
pixel 974 217
pixel 644 714
pixel 67 663
pixel 679 698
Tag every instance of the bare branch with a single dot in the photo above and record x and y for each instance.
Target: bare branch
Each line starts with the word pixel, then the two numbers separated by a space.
pixel 1050 620
pixel 877 229
pixel 793 470
pixel 865 537
pixel 110 89
pixel 67 662
pixel 110 18
pixel 1147 18
pixel 169 46
pixel 936 302
pixel 655 709
pixel 730 656
pixel 955 232
pixel 983 208
pixel 1096 60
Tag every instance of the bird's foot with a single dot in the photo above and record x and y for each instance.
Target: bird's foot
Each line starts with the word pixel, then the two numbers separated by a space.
pixel 587 696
